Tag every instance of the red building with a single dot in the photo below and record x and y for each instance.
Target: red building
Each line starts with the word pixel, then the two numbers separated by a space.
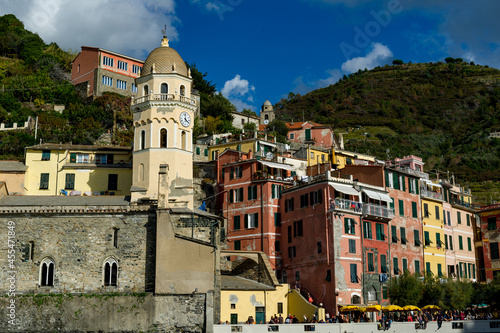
pixel 321 238
pixel 252 189
pixel 490 234
pixel 96 70
pixel 311 133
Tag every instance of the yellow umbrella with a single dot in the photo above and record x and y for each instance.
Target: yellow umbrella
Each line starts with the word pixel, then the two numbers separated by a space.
pixel 373 308
pixel 392 308
pixel 350 308
pixel 431 307
pixel 411 308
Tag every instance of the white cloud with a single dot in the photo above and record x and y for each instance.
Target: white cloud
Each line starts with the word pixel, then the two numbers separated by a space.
pixel 376 57
pixel 237 90
pixel 126 26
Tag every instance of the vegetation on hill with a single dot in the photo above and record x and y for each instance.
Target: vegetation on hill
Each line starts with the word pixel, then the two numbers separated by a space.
pixel 442 112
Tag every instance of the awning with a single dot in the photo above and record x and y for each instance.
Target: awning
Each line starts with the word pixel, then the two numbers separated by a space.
pixel 385 197
pixel 372 194
pixel 345 189
pixel 277 165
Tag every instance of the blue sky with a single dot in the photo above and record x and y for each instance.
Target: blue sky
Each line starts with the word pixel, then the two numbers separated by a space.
pixel 255 50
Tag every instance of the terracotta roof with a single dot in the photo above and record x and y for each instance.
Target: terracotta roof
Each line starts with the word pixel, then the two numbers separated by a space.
pixel 298 125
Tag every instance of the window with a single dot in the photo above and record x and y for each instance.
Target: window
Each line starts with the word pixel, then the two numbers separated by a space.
pixel 44 181
pixel 390 179
pixel 352 246
pixel 349 226
pixel 206 152
pixel 289 205
pixel 367 229
pixel 308 135
pixel 106 80
pixel 436 209
pixel 143 140
pixel 238 147
pixel 134 88
pixel 444 217
pixel 405 265
pixel 401 208
pixel 380 231
pixel 182 90
pixel 104 158
pixel 183 140
pixel 371 266
pixel 427 239
pixel 122 65
pixel 112 182
pixel 428 268
pixel 82 158
pixel 136 69
pixel 468 219
pixel 315 197
pixel 163 140
pixel 107 61
pixel 237 245
pixel 402 232
pixel 304 200
pixel 414 211
pixel 291 252
pixel 276 191
pixel 252 192
pixel 297 229
pixel 395 266
pixel 416 238
pixel 383 264
pixel 236 195
pixel 451 243
pixel 426 210
pixel 354 273
pixel 236 172
pixel 31 250
pixel 164 90
pixel 292 136
pixel 417 267
pixel 236 222
pixel 115 237
pixel 47 272
pixel 110 272
pixel 289 229
pixel 277 219
pixel 328 275
pixel 46 155
pixel 469 244
pixel 446 242
pixel 492 223
pixel 494 251
pixel 440 270
pixel 146 90
pixel 459 218
pixel 70 181
pixel 78 69
pixel 121 84
pixel 394 234
pixel 312 155
pixel 438 240
pixel 251 220
pixel 460 243
pixel 277 247
pixel 319 247
pixel 449 218
pixel 280 307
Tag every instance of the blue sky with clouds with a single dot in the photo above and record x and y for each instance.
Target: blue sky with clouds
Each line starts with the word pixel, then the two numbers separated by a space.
pixel 255 50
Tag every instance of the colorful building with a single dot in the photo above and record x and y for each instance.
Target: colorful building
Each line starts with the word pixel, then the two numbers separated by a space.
pixel 96 70
pixel 55 169
pixel 311 133
pixel 13 173
pixel 341 158
pixel 490 231
pixel 260 144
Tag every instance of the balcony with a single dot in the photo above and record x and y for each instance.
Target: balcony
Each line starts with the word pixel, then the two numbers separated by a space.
pixel 347 205
pixel 164 97
pixel 431 194
pixel 378 211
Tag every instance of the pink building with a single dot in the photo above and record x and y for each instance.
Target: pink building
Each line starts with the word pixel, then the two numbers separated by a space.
pixel 311 133
pixel 251 192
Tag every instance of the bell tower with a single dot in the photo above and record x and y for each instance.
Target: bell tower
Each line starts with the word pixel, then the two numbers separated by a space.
pixel 266 113
pixel 163 113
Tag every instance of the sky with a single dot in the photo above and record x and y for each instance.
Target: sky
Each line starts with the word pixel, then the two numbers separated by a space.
pixel 256 50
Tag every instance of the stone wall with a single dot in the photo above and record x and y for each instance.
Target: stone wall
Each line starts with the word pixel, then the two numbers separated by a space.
pixel 79 245
pixel 109 313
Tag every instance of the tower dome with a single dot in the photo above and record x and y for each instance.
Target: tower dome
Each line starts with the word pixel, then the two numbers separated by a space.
pixel 267 103
pixel 164 60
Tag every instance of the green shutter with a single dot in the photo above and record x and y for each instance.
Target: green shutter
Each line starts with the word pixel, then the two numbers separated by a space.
pixel 414 211
pixel 386 178
pixel 346 225
pixel 308 134
pixel 72 158
pixel 401 208
pixel 469 244
pixel 404 183
pixel 416 186
pixel 197 150
pixel 468 219
pixel 396 181
pixel 460 243
pixel 206 152
pixel 237 224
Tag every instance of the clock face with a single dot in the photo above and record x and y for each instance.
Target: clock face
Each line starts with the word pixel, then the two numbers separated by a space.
pixel 185 119
pixel 266 121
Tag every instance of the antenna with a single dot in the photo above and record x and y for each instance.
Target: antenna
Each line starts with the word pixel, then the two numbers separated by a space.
pixel 164 32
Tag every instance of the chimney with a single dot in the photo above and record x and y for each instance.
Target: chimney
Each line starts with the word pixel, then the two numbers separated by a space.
pixel 163 187
pixel 250 154
pixel 341 141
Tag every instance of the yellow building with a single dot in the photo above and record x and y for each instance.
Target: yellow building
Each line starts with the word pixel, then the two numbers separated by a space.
pixel 433 237
pixel 257 146
pixel 343 157
pixel 314 155
pixel 55 169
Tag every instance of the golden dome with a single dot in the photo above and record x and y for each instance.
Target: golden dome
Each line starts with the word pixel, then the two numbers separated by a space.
pixel 164 60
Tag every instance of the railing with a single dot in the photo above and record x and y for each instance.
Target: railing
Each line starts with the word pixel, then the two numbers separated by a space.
pixel 377 210
pixel 431 194
pixel 461 203
pixel 351 206
pixel 414 172
pixel 164 97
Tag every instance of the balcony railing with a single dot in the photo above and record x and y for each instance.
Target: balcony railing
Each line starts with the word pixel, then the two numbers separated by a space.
pixel 377 210
pixel 414 172
pixel 431 194
pixel 347 205
pixel 164 97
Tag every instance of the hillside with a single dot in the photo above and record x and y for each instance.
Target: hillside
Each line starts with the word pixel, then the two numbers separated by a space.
pixel 442 112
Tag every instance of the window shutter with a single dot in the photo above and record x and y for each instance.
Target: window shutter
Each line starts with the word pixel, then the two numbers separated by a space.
pixel 346 225
pixel 250 196
pixel 72 158
pixel 256 225
pixel 416 186
pixel 231 196
pixel 386 178
pixel 404 183
pixel 247 222
pixel 396 181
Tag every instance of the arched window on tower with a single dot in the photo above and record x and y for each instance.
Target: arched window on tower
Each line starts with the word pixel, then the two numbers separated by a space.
pixel 110 272
pixel 142 143
pixel 266 117
pixel 164 91
pixel 163 138
pixel 183 140
pixel 146 90
pixel 183 90
pixel 47 272
pixel 141 172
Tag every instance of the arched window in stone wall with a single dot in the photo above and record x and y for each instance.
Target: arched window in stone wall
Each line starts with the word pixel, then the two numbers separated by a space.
pixel 372 294
pixel 183 90
pixel 355 299
pixel 164 91
pixel 142 143
pixel 47 267
pixel 163 138
pixel 141 173
pixel 183 140
pixel 146 90
pixel 110 272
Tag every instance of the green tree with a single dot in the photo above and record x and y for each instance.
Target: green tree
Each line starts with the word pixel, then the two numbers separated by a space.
pixel 249 112
pixel 397 62
pixel 279 129
pixel 249 127
pixel 405 290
